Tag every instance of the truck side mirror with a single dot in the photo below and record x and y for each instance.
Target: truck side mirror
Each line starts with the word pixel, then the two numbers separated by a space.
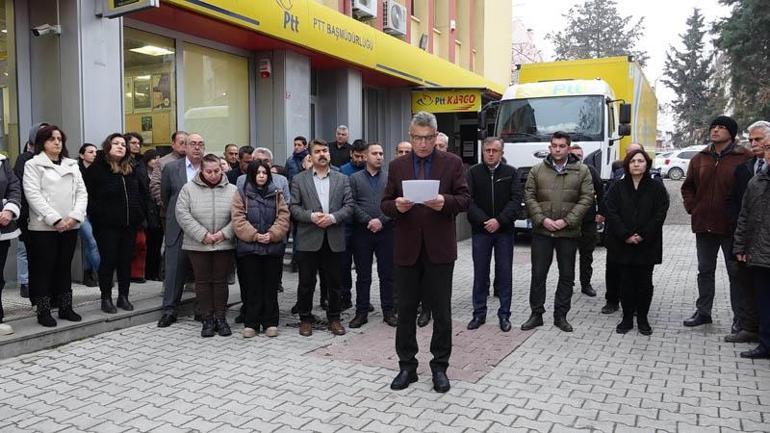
pixel 486 110
pixel 625 114
pixel 624 129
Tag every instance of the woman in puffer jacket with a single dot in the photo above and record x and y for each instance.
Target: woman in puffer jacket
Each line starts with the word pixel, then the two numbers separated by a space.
pixel 261 222
pixel 57 200
pixel 116 211
pixel 203 213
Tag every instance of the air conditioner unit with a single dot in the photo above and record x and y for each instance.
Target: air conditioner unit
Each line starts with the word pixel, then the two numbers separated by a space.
pixel 393 18
pixel 365 8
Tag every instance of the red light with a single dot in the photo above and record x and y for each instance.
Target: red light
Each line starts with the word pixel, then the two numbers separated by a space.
pixel 667 162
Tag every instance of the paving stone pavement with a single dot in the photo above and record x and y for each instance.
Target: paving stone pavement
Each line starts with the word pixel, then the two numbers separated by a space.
pixel 167 380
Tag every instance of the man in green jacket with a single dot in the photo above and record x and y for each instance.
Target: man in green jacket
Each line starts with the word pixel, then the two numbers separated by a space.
pixel 558 193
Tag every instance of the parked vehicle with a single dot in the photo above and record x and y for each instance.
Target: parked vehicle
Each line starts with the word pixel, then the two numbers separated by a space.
pixel 660 157
pixel 675 165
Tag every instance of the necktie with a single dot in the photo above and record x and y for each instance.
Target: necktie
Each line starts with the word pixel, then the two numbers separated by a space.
pixel 421 172
pixel 760 164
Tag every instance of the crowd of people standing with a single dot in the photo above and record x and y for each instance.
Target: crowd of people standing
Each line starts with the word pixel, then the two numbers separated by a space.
pixel 214 217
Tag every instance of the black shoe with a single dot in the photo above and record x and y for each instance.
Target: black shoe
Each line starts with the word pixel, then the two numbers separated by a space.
pixel 476 322
pixel 324 304
pixel 108 307
pixel 423 319
pixel 166 320
pixel 44 318
pixel 223 328
pixel 644 326
pixel 294 309
pixel 533 322
pixel 610 307
pixel 505 324
pixel 239 318
pixel 625 325
pixel 371 308
pixel 588 291
pixel 757 353
pixel 124 304
pixel 391 319
pixel 138 280
pixel 440 381
pixel 403 379
pixel 358 320
pixel 69 314
pixel 208 329
pixel 742 336
pixel 561 323
pixel 697 319
pixel 24 291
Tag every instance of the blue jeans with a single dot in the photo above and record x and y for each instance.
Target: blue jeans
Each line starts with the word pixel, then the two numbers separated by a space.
pixel 482 245
pixel 22 272
pixel 89 246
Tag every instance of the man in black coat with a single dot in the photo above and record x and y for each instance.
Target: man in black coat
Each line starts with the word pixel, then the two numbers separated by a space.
pixel 746 327
pixel 594 215
pixel 496 200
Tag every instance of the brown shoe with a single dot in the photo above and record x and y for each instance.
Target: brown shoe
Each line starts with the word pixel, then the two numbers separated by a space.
pixel 336 327
pixel 305 329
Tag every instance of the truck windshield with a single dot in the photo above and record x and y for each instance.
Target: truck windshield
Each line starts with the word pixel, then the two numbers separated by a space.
pixel 535 119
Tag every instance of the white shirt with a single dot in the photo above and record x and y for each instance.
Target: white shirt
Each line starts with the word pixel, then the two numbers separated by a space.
pixel 191 169
pixel 322 186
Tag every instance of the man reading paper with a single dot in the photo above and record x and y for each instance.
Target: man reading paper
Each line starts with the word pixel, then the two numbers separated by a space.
pixel 425 247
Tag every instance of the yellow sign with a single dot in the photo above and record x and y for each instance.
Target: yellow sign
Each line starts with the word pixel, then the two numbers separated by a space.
pixel 312 25
pixel 446 101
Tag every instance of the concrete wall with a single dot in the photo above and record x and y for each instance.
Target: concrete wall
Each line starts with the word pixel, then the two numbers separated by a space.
pixel 340 98
pixel 283 102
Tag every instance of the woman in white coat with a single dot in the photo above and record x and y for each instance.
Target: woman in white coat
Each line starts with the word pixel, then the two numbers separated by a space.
pixel 57 200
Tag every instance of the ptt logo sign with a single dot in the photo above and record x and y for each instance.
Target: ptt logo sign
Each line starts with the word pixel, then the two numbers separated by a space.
pixel 290 21
pixel 438 102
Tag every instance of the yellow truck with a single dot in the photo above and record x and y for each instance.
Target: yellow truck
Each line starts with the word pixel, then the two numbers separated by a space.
pixel 605 104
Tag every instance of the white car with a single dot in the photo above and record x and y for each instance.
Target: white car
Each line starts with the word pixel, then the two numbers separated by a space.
pixel 675 165
pixel 660 157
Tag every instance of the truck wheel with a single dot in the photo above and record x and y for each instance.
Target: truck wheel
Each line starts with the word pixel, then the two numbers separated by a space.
pixel 675 173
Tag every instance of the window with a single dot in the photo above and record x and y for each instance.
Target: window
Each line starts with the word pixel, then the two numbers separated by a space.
pixel 149 82
pixel 216 96
pixel 687 155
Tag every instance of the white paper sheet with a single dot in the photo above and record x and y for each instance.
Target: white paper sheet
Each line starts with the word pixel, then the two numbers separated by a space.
pixel 420 191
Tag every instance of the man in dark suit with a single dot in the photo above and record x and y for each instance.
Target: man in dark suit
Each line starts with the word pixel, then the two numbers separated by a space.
pixel 320 204
pixel 372 235
pixel 174 176
pixel 425 247
pixel 245 156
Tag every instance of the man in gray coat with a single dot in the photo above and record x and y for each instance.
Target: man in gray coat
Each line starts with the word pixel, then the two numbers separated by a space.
pixel 174 176
pixel 320 204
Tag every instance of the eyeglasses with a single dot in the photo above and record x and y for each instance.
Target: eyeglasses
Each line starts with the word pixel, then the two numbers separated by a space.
pixel 430 137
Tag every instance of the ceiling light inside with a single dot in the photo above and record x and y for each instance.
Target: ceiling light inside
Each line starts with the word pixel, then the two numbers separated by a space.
pixel 152 50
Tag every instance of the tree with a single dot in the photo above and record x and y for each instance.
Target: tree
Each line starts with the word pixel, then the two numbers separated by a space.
pixel 596 29
pixel 689 74
pixel 744 37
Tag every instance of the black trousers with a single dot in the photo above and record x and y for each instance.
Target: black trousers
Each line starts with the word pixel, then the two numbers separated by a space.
pixel 542 257
pixel 4 245
pixel 748 314
pixel 259 277
pixel 612 274
pixel 153 259
pixel 434 282
pixel 586 247
pixel 49 254
pixel 116 249
pixel 636 292
pixel 310 262
pixel 762 283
